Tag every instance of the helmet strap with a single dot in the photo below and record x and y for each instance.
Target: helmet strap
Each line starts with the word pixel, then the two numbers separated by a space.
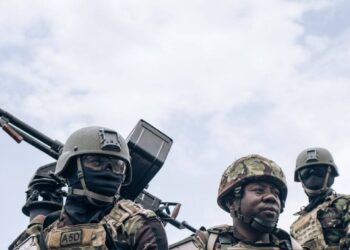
pixel 312 192
pixel 256 223
pixel 85 191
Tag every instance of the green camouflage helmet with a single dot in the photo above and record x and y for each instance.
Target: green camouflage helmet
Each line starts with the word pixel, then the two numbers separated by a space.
pixel 250 169
pixel 314 157
pixel 94 140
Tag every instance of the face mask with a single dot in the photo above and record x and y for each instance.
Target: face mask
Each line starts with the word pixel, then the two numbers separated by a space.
pixel 103 182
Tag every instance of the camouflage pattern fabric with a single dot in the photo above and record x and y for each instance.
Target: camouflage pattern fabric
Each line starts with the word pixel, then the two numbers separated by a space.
pixel 334 218
pixel 248 169
pixel 224 239
pixel 131 227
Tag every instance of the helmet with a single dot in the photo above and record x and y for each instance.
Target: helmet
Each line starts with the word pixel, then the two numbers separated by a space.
pixel 250 169
pixel 44 190
pixel 94 140
pixel 314 157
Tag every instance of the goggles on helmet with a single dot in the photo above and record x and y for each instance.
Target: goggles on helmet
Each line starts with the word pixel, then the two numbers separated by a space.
pixel 102 162
pixel 319 171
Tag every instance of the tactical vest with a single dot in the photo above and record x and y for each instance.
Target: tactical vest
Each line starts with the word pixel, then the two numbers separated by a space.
pixel 307 229
pixel 242 246
pixel 221 238
pixel 31 242
pixel 122 223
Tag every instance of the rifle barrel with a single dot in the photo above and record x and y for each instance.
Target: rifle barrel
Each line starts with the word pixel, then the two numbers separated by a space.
pixel 56 145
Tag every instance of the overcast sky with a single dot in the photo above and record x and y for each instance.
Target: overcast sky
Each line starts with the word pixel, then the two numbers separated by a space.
pixel 222 78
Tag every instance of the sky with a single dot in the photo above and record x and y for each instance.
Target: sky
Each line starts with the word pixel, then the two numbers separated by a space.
pixel 223 79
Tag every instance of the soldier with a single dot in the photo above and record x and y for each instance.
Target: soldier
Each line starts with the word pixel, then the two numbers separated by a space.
pixel 253 190
pixel 44 196
pixel 95 162
pixel 325 222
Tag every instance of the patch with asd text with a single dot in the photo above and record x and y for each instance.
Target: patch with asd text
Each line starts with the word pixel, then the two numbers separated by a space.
pixel 71 238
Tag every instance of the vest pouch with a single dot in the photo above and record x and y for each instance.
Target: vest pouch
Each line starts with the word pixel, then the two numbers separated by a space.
pixel 84 236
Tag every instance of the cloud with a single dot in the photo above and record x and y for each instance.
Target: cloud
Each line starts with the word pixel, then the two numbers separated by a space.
pixel 223 79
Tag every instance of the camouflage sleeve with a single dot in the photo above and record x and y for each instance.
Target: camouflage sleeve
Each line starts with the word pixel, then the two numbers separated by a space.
pixel 344 205
pixel 151 236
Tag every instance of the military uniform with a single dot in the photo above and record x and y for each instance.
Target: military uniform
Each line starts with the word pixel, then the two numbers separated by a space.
pixel 128 225
pixel 95 163
pixel 262 232
pixel 222 238
pixel 326 225
pixel 325 222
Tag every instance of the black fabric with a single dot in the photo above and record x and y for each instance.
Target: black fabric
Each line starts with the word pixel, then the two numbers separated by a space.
pixel 50 218
pixel 103 182
pixel 80 210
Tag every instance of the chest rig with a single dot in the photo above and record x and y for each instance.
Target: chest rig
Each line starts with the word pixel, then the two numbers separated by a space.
pixel 307 229
pixel 221 238
pixel 242 246
pixel 121 223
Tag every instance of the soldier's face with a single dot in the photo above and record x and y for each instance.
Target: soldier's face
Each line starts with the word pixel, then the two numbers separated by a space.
pixel 313 177
pixel 261 199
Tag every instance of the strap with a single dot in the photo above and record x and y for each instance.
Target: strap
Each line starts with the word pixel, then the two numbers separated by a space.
pixel 109 239
pixel 87 193
pixel 42 240
pixel 212 240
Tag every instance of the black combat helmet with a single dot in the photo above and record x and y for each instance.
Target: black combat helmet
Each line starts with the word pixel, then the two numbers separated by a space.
pixel 44 190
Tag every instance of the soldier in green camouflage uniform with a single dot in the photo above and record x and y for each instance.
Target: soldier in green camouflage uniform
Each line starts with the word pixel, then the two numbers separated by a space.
pixel 95 162
pixel 253 190
pixel 44 196
pixel 325 222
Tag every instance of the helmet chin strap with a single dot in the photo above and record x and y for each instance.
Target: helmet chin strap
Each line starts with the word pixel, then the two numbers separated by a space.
pixel 313 192
pixel 255 222
pixel 86 192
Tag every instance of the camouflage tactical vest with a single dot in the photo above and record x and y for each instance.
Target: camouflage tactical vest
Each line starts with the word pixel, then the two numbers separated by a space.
pixel 322 227
pixel 123 222
pixel 221 238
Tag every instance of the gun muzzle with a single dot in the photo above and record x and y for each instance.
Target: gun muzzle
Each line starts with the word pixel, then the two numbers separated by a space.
pixel 10 131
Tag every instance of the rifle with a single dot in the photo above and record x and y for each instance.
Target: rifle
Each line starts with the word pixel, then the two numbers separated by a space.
pixel 148 148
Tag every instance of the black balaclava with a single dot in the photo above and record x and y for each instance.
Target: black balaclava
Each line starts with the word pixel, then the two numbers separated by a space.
pixel 328 181
pixel 91 193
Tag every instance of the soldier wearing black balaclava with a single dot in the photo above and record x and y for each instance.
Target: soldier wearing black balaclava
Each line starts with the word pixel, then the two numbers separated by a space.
pixel 95 162
pixel 325 222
